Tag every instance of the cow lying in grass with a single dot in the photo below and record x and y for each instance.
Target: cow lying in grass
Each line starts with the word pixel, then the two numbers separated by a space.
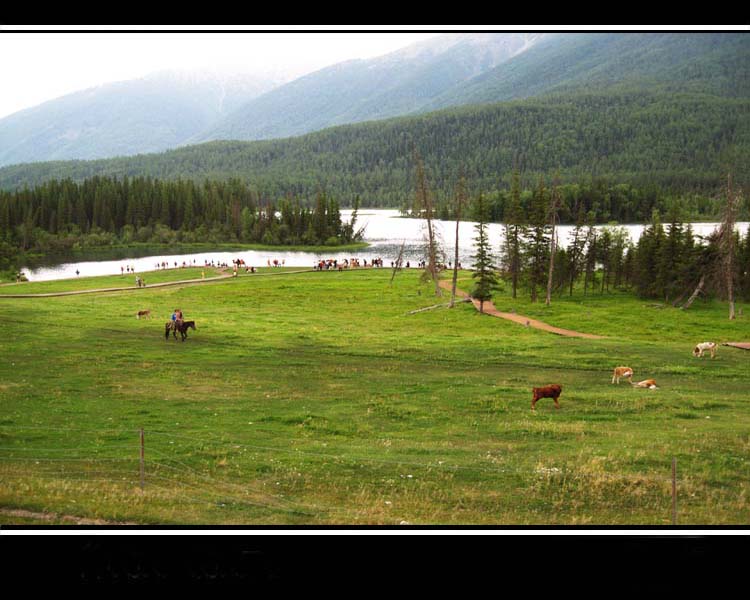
pixel 646 383
pixel 548 391
pixel 702 347
pixel 625 372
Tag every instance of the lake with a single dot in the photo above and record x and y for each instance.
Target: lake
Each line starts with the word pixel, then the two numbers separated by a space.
pixel 385 231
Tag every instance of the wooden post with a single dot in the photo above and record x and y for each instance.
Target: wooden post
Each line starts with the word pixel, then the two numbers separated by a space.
pixel 674 491
pixel 143 464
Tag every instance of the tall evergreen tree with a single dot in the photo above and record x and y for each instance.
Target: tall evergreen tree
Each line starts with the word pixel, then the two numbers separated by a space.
pixel 486 280
pixel 576 247
pixel 537 244
pixel 515 231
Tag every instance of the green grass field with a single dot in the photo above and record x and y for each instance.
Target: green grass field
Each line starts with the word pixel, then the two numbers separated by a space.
pixel 106 281
pixel 315 399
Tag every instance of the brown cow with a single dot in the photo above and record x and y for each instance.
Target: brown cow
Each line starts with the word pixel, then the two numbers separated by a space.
pixel 646 383
pixel 548 391
pixel 624 372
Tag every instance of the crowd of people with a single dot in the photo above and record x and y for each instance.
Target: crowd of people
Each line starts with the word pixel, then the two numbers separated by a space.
pixel 332 263
pixel 320 265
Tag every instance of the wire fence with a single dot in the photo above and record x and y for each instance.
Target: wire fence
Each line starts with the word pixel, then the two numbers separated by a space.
pixel 281 478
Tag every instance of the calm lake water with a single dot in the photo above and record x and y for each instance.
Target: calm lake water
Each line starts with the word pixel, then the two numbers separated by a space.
pixel 385 231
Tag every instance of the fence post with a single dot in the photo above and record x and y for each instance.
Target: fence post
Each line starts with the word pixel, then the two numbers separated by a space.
pixel 143 465
pixel 674 491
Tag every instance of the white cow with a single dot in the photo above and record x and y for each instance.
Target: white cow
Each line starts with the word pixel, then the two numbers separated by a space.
pixel 702 347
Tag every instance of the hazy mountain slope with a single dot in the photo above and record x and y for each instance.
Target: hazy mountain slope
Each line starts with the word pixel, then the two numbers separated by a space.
pixel 678 141
pixel 145 115
pixel 359 90
pixel 716 63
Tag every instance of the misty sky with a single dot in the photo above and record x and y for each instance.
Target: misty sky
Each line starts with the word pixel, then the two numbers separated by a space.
pixel 36 67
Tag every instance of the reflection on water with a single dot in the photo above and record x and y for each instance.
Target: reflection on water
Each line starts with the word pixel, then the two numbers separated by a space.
pixel 384 231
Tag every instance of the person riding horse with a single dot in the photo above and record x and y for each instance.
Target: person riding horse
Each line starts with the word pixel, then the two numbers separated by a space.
pixel 182 327
pixel 178 324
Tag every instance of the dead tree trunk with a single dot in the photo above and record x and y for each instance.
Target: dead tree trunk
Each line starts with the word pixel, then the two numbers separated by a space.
pixel 694 295
pixel 399 261
pixel 553 218
pixel 424 203
pixel 460 198
pixel 726 240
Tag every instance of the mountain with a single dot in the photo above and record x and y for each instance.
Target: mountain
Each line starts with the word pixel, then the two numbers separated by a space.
pixel 659 109
pixel 396 84
pixel 150 114
pixel 714 63
pixel 680 142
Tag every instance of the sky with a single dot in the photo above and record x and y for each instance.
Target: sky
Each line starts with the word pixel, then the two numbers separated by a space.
pixel 42 65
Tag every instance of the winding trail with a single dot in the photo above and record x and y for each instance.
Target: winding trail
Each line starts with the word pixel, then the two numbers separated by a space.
pixel 489 308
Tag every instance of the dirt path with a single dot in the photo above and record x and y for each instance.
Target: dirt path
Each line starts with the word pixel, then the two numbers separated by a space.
pixel 43 516
pixel 489 308
pixel 225 275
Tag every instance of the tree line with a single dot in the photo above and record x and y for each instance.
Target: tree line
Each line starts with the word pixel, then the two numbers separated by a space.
pixel 656 145
pixel 103 211
pixel 669 263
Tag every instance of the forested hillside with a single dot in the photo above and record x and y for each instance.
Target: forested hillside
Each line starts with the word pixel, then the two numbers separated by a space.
pixel 677 143
pixel 712 63
pixel 396 84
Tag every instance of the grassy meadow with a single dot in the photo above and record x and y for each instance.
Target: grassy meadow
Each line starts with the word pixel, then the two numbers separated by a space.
pixel 314 398
pixel 106 281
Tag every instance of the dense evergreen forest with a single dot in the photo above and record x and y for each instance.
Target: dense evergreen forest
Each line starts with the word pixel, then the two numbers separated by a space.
pixel 103 211
pixel 639 148
pixel 669 263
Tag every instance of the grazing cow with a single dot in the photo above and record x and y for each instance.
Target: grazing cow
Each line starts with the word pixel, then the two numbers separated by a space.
pixel 625 372
pixel 702 347
pixel 143 313
pixel 548 391
pixel 646 383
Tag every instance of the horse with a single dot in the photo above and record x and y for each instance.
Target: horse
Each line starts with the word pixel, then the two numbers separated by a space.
pixel 182 328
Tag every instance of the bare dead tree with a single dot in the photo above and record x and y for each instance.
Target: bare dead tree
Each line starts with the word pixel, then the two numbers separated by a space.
pixel 727 243
pixel 399 262
pixel 460 201
pixel 425 206
pixel 694 295
pixel 554 208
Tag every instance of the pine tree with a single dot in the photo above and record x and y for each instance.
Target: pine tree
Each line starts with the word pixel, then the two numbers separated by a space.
pixel 669 259
pixel 576 247
pixel 537 244
pixel 514 229
pixel 484 271
pixel 648 250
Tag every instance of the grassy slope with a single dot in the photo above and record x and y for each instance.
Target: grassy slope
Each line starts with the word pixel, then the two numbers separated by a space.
pixel 106 281
pixel 315 399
